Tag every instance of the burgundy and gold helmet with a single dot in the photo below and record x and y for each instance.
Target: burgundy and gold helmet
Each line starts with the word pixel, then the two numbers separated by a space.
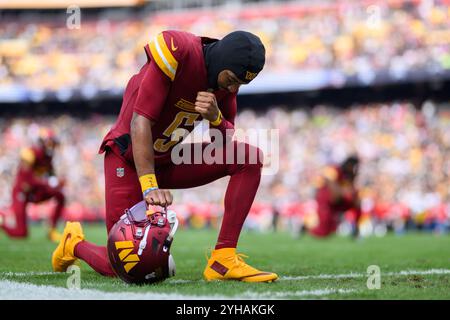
pixel 139 245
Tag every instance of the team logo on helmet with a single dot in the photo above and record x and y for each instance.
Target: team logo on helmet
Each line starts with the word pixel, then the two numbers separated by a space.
pixel 139 245
pixel 124 249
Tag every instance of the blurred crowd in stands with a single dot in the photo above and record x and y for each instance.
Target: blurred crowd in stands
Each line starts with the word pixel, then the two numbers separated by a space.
pixel 404 175
pixel 346 38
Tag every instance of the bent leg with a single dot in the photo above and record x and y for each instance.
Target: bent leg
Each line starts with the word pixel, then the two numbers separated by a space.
pixel 95 256
pixel 19 208
pixel 327 224
pixel 121 192
pixel 245 171
pixel 44 193
pixel 58 210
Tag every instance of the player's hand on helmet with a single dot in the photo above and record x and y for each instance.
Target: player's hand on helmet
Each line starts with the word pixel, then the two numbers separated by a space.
pixel 159 197
pixel 206 105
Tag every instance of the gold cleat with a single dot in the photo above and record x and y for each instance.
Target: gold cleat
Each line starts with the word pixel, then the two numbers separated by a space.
pixel 225 264
pixel 53 235
pixel 64 256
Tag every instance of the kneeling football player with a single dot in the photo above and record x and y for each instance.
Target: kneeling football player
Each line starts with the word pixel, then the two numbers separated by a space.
pixel 186 79
pixel 36 183
pixel 337 194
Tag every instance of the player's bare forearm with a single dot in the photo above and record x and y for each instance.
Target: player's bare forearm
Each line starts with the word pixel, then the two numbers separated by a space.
pixel 142 140
pixel 144 160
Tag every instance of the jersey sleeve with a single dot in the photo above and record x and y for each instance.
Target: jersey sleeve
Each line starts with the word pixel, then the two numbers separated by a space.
pixel 228 107
pixel 166 49
pixel 152 93
pixel 164 53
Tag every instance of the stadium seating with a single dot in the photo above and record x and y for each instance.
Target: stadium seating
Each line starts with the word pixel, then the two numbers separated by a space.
pixel 404 174
pixel 329 45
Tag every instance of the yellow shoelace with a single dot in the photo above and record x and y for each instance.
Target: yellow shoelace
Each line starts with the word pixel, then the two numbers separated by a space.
pixel 240 262
pixel 240 257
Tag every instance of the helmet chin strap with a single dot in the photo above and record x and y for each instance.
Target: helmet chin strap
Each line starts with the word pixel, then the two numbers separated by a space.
pixel 171 217
pixel 143 242
pixel 173 222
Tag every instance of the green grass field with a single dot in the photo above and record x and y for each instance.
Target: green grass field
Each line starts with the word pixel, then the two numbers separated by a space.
pixel 413 266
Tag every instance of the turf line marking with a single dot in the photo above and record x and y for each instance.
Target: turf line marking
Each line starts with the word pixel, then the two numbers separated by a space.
pixel 10 290
pixel 34 274
pixel 319 276
pixel 28 274
pixel 177 281
pixel 360 275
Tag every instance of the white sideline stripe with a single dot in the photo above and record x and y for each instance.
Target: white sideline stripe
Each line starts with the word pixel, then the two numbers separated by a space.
pixel 175 281
pixel 28 274
pixel 319 276
pixel 10 290
pixel 360 275
pixel 31 274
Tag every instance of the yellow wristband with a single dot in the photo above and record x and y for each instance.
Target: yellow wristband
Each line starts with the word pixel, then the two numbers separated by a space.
pixel 218 120
pixel 148 181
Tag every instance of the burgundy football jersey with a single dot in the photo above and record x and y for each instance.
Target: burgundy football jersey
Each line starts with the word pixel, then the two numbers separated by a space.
pixel 165 91
pixel 42 163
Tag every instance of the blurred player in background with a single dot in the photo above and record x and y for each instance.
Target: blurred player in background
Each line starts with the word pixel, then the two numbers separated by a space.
pixel 186 79
pixel 335 195
pixel 35 183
